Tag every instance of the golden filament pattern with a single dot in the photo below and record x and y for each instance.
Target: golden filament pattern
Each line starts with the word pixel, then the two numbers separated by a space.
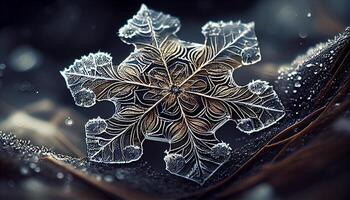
pixel 173 91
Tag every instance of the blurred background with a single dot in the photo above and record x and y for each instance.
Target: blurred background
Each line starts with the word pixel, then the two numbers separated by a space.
pixel 40 38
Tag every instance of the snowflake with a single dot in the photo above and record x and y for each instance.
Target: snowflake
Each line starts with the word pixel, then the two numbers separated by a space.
pixel 173 91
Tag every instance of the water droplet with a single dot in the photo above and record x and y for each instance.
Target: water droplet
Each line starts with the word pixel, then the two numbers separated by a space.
pixel 60 175
pixel 24 170
pixel 310 65
pixel 294 91
pixel 69 121
pixel 299 78
pixel 35 158
pixel 24 58
pixel 32 165
pixel 37 169
pixel 98 177
pixel 261 191
pixel 297 84
pixel 303 34
pixel 108 178
pixel 309 14
pixel 120 175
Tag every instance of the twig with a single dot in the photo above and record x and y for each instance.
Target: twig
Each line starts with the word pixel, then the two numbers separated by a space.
pixel 343 91
pixel 283 174
pixel 293 127
pixel 329 84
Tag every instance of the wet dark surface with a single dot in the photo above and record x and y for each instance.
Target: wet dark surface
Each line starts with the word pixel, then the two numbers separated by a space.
pixel 52 34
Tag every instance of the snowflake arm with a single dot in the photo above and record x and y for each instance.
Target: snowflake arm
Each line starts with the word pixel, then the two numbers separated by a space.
pixel 227 45
pixel 150 30
pixel 231 40
pixel 94 77
pixel 253 107
pixel 149 27
pixel 195 153
pixel 120 140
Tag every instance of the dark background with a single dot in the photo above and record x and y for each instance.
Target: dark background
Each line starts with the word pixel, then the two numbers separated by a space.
pixel 40 38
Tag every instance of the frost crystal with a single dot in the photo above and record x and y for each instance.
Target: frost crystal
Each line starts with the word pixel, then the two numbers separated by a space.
pixel 95 126
pixel 85 98
pixel 221 151
pixel 174 162
pixel 173 91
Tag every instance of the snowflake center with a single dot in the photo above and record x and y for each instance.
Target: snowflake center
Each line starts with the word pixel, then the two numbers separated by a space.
pixel 175 89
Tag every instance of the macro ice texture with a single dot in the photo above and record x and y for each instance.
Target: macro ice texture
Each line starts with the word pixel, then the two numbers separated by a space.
pixel 304 79
pixel 173 91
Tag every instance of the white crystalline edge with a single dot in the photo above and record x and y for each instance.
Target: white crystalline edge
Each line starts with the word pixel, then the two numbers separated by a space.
pixel 173 156
pixel 67 70
pixel 91 158
pixel 121 161
pixel 224 145
pixel 133 148
pixel 221 24
pixel 94 55
pixel 311 53
pixel 258 55
pixel 204 178
pixel 83 104
pixel 143 8
pixel 98 119
pixel 252 86
pixel 264 126
pixel 247 26
pixel 168 157
pixel 122 31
